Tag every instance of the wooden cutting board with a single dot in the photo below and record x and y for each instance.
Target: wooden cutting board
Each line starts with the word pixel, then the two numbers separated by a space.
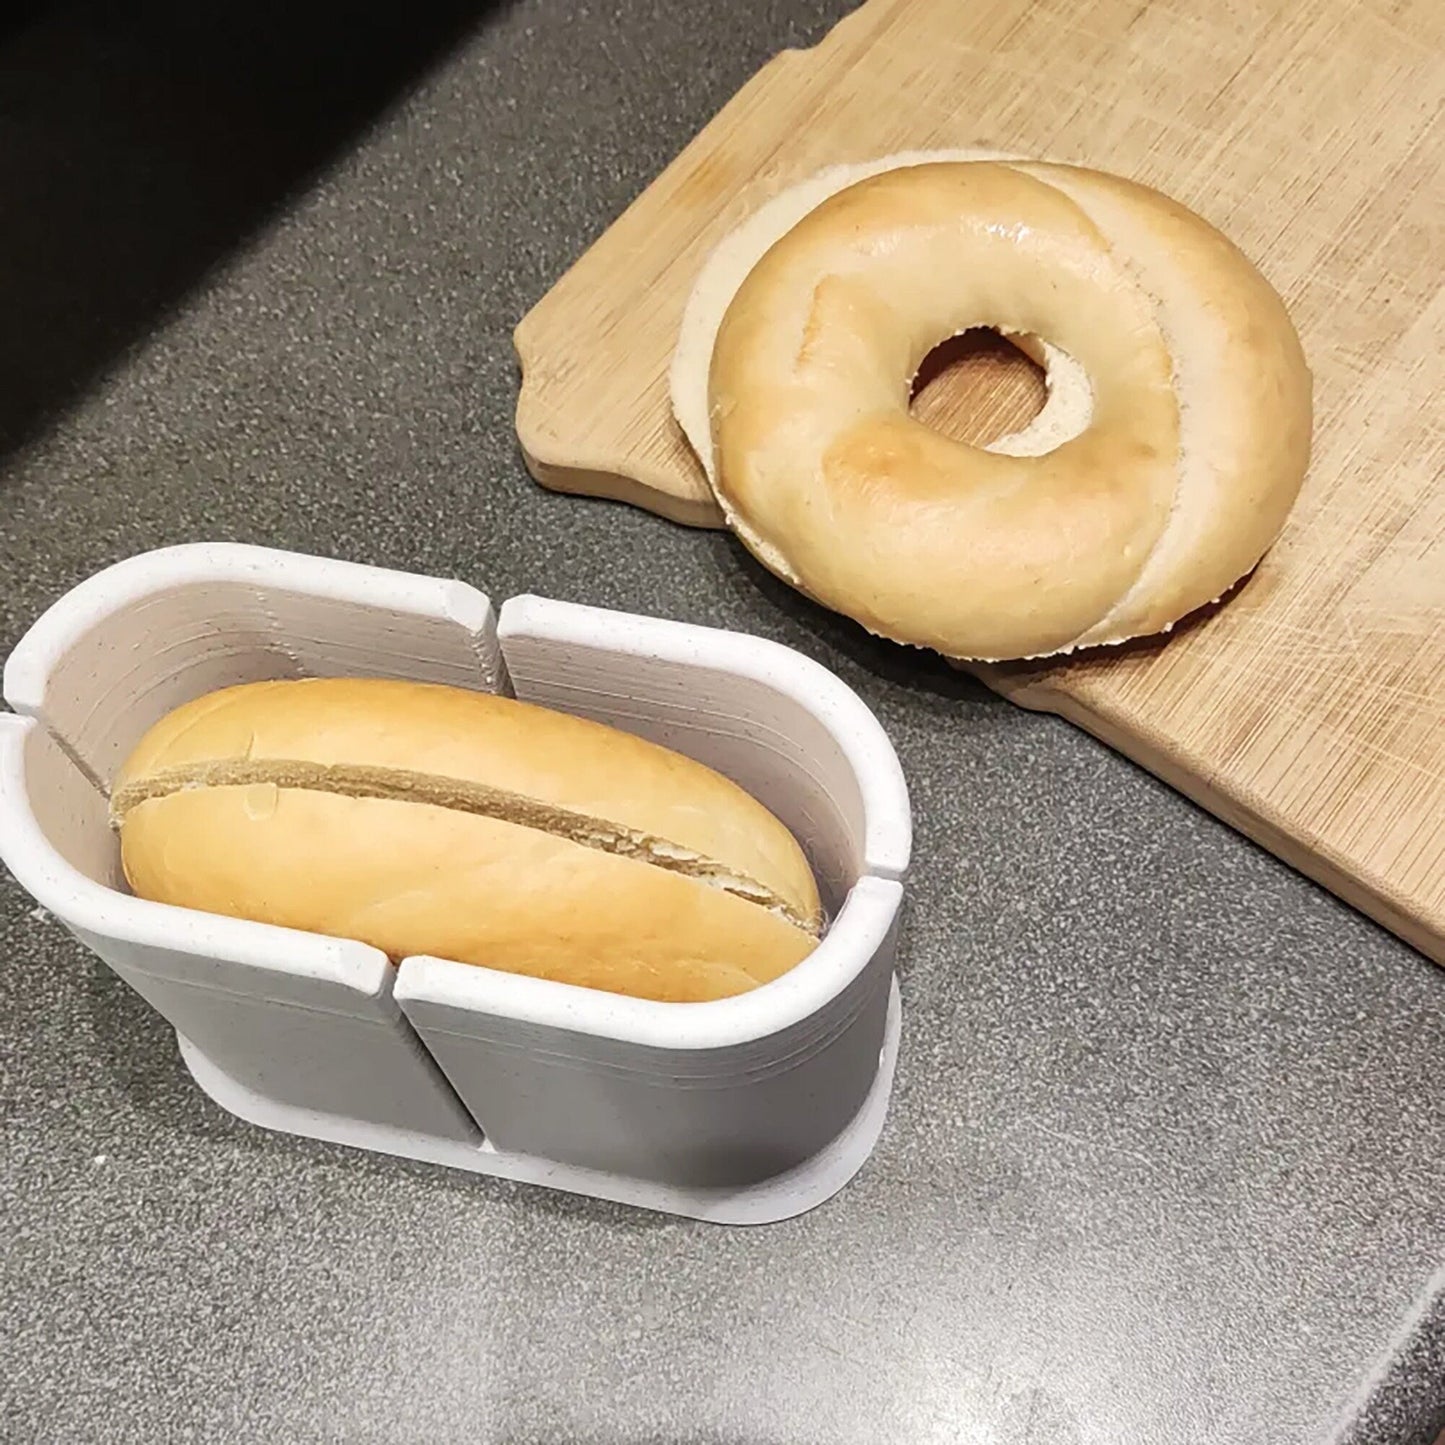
pixel 1309 711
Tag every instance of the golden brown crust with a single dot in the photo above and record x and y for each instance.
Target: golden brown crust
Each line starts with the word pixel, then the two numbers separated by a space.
pixel 1248 416
pixel 409 878
pixel 425 819
pixel 1194 423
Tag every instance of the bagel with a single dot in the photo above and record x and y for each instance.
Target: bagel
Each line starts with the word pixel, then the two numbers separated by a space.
pixel 1172 444
pixel 425 819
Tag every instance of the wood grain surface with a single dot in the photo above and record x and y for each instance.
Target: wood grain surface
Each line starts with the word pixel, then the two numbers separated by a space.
pixel 1309 710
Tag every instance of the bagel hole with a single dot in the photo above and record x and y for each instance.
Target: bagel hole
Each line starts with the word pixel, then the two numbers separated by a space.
pixel 977 387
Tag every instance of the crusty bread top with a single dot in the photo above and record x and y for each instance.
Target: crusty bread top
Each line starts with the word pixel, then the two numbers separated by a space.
pixel 488 756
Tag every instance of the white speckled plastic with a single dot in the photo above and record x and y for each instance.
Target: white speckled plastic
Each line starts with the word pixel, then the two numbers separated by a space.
pixel 742 1111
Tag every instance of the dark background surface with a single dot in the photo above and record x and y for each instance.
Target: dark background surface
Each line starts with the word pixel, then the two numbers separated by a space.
pixel 141 143
pixel 1166 1148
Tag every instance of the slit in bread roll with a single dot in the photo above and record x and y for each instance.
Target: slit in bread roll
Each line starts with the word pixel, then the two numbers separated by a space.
pixel 424 819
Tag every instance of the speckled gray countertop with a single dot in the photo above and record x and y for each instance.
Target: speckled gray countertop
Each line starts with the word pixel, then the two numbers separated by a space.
pixel 1167 1148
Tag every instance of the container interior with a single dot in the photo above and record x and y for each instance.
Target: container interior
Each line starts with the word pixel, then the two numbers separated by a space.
pixel 70 810
pixel 767 741
pixel 134 664
pixel 131 665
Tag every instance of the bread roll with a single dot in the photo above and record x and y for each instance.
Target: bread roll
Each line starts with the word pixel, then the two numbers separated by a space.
pixel 426 819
